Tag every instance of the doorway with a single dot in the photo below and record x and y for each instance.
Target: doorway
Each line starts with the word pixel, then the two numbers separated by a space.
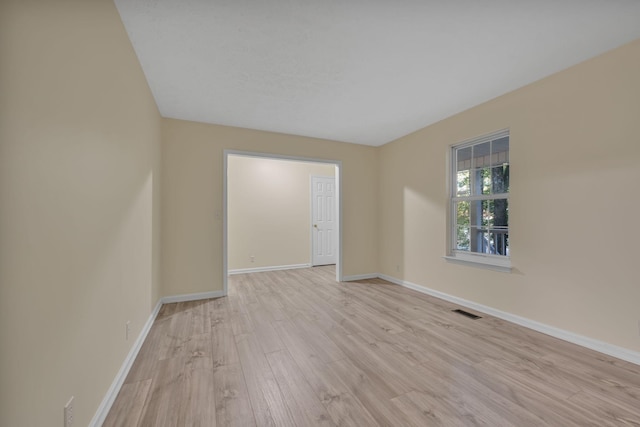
pixel 259 227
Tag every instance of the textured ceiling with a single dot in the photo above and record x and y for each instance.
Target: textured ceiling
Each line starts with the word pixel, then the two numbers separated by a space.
pixel 358 71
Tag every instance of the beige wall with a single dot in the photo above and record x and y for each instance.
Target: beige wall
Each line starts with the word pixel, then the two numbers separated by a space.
pixel 79 158
pixel 192 196
pixel 80 203
pixel 575 155
pixel 269 211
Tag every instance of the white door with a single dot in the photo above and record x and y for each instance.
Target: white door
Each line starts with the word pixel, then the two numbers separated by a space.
pixel 323 220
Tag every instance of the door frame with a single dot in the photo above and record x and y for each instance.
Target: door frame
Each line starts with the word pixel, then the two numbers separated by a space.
pixel 226 154
pixel 311 233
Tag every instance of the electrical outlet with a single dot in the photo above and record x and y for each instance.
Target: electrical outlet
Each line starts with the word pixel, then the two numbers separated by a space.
pixel 68 413
pixel 398 267
pixel 128 329
pixel 253 258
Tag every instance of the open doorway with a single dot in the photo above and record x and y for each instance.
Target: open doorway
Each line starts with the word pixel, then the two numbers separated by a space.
pixel 270 219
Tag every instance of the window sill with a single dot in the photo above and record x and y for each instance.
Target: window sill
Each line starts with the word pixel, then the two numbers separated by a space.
pixel 489 263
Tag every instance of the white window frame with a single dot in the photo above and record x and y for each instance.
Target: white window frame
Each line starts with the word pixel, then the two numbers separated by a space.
pixel 483 260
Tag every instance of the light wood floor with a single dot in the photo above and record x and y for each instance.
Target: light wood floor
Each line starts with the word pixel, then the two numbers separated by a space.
pixel 295 348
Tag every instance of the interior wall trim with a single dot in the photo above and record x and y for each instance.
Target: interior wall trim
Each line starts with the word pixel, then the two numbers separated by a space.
pixel 116 385
pixel 192 297
pixel 112 393
pixel 360 277
pixel 271 268
pixel 581 340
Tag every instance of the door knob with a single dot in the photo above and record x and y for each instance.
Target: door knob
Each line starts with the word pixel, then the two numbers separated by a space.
pixel 315 225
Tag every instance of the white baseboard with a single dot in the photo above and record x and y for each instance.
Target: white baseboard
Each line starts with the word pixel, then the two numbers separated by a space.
pixel 360 277
pixel 113 391
pixel 590 343
pixel 191 297
pixel 263 269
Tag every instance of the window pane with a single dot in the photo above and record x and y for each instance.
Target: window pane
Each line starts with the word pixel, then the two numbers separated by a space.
pixel 485 242
pixel 481 183
pixel 500 179
pixel 484 181
pixel 463 159
pixel 475 210
pixel 476 239
pixel 462 225
pixel 500 151
pixel 490 180
pixel 482 155
pixel 462 238
pixel 462 213
pixel 463 184
pixel 487 213
pixel 500 213
pixel 495 213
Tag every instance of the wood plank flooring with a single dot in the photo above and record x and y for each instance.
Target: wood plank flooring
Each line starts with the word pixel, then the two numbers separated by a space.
pixel 295 348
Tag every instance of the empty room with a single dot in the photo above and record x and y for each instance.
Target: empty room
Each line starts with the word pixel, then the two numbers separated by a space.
pixel 408 213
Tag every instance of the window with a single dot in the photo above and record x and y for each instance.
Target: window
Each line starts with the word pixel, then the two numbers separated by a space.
pixel 480 201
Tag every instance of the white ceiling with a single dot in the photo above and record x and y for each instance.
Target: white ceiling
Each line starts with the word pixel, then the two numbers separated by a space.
pixel 361 71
